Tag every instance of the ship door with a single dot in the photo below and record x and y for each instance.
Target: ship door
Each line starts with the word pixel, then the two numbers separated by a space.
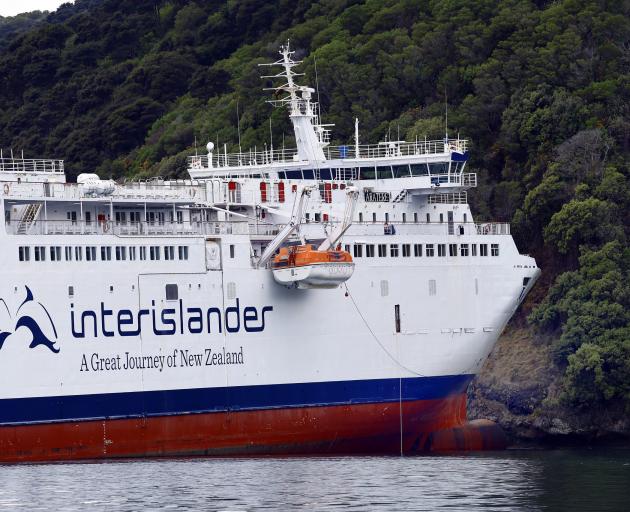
pixel 451 223
pixel 213 255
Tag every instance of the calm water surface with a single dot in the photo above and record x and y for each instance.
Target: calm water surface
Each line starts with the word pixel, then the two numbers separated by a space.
pixel 514 480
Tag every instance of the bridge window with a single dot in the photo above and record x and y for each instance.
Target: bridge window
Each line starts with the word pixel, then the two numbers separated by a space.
pixel 452 249
pixel 308 174
pixel 463 249
pixel 406 250
pixel 382 250
pixel 325 174
pixel 430 251
pixel 367 173
pixel 369 250
pixel 24 253
pixel 401 171
pixel 494 249
pixel 417 250
pixel 393 250
pixel 384 172
pixel 483 249
pixel 419 170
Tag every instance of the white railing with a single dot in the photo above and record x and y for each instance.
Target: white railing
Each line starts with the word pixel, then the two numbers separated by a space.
pixel 256 157
pixel 493 228
pixel 449 198
pixel 139 191
pixel 31 165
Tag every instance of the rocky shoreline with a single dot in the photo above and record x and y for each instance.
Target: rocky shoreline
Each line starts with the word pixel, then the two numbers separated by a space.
pixel 518 388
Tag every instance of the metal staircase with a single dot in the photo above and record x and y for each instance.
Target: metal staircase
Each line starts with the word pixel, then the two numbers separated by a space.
pixel 401 196
pixel 30 216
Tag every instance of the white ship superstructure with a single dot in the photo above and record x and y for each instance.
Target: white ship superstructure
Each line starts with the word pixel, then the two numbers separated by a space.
pixel 144 318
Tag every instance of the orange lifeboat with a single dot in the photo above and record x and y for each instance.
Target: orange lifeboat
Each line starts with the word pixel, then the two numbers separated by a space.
pixel 303 266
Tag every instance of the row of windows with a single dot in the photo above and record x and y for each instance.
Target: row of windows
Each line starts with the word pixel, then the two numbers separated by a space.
pixel 405 250
pixel 90 253
pixel 371 173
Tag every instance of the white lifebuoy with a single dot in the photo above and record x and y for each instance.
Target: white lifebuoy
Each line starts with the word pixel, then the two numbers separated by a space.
pixel 6 189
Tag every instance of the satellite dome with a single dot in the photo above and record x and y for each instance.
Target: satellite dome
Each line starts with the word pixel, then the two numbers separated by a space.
pixel 210 147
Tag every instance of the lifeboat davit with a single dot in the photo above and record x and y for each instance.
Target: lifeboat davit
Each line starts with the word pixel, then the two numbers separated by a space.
pixel 303 266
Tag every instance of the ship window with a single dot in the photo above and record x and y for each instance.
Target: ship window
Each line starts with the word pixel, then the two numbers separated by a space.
pixel 294 175
pixel 432 287
pixel 415 217
pixel 373 216
pixel 183 252
pixel 68 253
pixel 367 173
pixel 70 291
pixel 386 217
pixel 406 250
pixel 231 251
pixel 90 253
pixel 404 217
pixel 24 253
pixel 369 250
pixel 358 250
pixel 428 218
pixel 40 253
pixel 382 250
pixel 132 253
pixel 476 286
pixel 452 249
pixel 419 170
pixel 384 288
pixel 397 317
pixel 325 174
pixel 55 254
pixel 307 217
pixel 465 218
pixel 169 252
pixel 442 250
pixel 318 217
pixel 308 174
pixel 417 250
pixel 438 168
pixel 401 171
pixel 143 253
pixel 78 253
pixel 154 252
pixel 121 253
pixel 483 249
pixel 346 248
pixel 463 249
pixel 384 172
pixel 441 217
pixel 494 249
pixel 474 249
pixel 393 250
pixel 106 253
pixel 172 293
pixel 430 251
pixel 282 175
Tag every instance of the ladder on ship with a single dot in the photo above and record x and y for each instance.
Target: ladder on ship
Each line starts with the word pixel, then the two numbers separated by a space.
pixel 401 196
pixel 30 216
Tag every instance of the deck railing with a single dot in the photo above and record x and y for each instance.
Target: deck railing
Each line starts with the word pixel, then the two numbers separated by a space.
pixel 31 165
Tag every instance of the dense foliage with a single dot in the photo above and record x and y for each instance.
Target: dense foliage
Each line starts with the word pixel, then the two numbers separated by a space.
pixel 124 87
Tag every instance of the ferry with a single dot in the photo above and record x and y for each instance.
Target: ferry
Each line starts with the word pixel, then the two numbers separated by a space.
pixel 314 300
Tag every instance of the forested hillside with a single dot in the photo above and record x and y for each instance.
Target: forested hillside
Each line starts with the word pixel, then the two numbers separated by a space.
pixel 123 88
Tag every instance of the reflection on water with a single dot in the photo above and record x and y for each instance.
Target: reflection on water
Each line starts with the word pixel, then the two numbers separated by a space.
pixel 554 480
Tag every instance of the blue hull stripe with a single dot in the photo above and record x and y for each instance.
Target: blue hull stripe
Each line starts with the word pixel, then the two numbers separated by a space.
pixel 239 398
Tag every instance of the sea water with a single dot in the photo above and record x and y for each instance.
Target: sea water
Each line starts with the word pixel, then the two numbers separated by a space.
pixel 574 480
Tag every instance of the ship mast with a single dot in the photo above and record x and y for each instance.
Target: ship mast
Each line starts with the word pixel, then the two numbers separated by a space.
pixel 311 137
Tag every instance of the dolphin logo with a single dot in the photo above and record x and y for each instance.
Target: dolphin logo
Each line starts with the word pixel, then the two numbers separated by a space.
pixel 30 318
